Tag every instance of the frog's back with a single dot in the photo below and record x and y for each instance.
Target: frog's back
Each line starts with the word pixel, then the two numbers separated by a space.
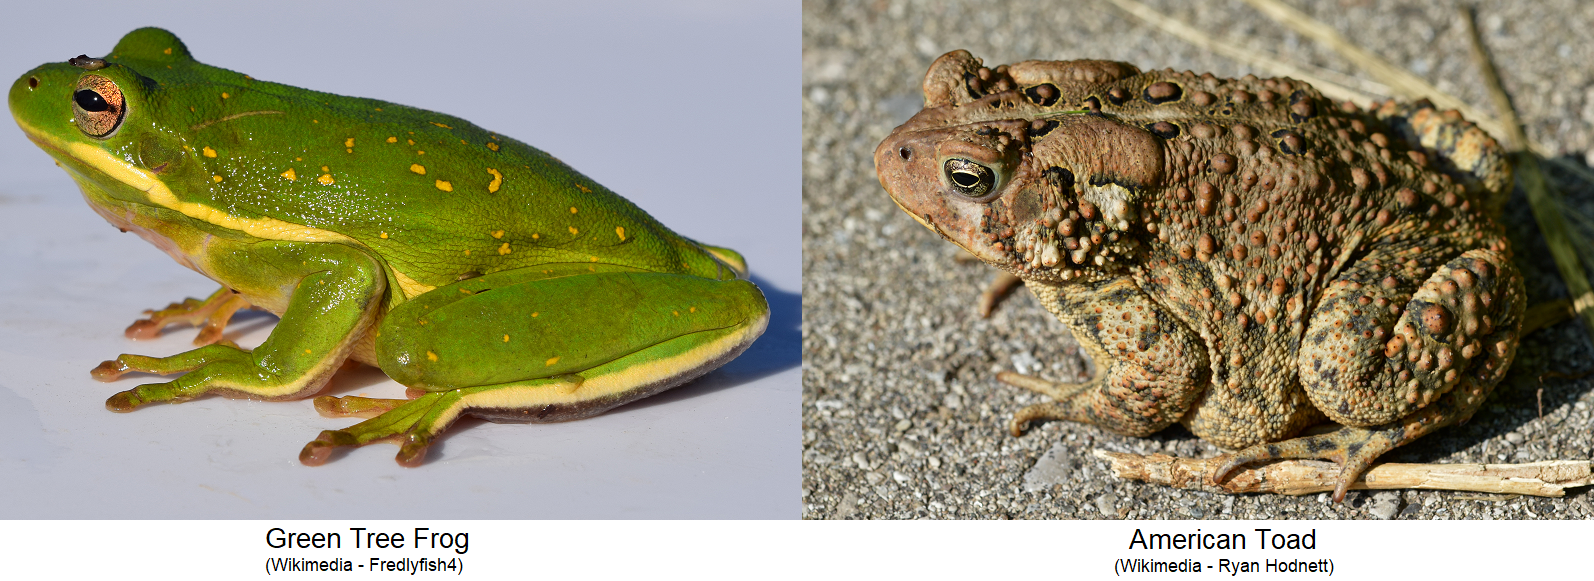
pixel 422 189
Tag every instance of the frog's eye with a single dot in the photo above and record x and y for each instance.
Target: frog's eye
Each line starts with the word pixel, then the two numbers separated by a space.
pixel 99 106
pixel 969 178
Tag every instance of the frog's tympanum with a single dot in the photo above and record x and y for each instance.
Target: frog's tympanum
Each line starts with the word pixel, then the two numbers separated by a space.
pixel 485 275
pixel 1244 257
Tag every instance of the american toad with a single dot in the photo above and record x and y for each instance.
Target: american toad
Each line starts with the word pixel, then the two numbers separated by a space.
pixel 1241 256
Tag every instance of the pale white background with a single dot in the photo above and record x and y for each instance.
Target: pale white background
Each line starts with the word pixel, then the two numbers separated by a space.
pixel 686 108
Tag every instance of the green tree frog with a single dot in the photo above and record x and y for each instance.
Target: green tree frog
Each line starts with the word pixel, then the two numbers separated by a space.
pixel 485 275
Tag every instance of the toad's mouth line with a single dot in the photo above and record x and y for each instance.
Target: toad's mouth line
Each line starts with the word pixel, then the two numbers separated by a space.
pixel 925 220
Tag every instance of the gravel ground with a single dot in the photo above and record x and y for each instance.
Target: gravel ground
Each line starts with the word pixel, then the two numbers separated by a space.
pixel 902 415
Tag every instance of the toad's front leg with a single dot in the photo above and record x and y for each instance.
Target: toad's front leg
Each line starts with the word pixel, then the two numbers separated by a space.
pixel 1153 366
pixel 1447 348
pixel 335 291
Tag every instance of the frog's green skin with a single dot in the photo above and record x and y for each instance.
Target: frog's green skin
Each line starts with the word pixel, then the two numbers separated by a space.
pixel 482 273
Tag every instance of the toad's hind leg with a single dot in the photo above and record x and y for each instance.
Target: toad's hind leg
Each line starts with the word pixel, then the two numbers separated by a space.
pixel 1452 343
pixel 1153 366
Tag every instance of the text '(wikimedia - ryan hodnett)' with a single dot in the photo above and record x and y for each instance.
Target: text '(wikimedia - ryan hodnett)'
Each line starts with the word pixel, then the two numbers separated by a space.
pixel 1234 562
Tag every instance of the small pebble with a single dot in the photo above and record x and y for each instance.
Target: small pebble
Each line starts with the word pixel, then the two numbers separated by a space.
pixel 1105 502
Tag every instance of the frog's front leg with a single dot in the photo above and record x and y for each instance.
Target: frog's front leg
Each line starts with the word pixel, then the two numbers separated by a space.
pixel 1391 372
pixel 1153 366
pixel 517 346
pixel 334 290
pixel 210 315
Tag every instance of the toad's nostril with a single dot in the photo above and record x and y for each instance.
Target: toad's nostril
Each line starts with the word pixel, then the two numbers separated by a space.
pixel 905 153
pixel 33 83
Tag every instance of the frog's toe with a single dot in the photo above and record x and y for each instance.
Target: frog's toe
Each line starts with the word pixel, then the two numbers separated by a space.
pixel 1354 449
pixel 318 451
pixel 143 329
pixel 412 453
pixel 110 370
pixel 123 402
pixel 354 406
pixel 131 399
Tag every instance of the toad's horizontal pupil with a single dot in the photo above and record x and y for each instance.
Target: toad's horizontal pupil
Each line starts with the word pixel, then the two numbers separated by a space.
pixel 965 179
pixel 90 101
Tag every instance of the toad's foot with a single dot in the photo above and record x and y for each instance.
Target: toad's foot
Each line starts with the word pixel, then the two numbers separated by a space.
pixel 1052 410
pixel 1354 449
pixel 998 289
pixel 210 315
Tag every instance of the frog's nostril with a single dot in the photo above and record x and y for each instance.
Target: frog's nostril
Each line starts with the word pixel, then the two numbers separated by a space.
pixel 33 83
pixel 905 153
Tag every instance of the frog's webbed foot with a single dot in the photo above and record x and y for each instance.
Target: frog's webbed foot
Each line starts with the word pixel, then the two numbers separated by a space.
pixel 998 289
pixel 210 315
pixel 412 424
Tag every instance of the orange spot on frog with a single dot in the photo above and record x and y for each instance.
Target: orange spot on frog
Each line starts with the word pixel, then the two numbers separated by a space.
pixel 498 179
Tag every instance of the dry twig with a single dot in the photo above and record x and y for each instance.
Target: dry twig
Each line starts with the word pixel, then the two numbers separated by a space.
pixel 1402 82
pixel 1297 477
pixel 1332 84
pixel 1542 198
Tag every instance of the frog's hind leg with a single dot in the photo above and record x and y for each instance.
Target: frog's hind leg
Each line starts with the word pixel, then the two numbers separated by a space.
pixel 415 424
pixel 1153 365
pixel 1452 343
pixel 516 347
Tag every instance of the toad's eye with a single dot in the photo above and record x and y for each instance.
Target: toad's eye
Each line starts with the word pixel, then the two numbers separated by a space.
pixel 969 178
pixel 98 106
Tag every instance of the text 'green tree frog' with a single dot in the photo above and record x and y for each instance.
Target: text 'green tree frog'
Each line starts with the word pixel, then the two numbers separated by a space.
pixel 485 275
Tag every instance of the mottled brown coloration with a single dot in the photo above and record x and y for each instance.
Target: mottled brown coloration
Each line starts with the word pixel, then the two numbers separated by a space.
pixel 1241 256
